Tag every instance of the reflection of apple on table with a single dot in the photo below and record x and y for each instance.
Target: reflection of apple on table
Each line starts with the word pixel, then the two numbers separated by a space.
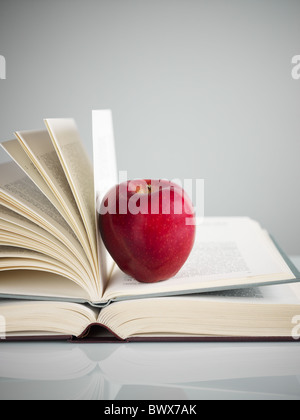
pixel 148 227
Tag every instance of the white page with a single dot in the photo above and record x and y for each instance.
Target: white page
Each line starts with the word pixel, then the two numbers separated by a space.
pixel 105 163
pixel 105 175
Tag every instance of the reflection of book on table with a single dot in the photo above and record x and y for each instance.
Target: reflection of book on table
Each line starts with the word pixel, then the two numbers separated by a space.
pixel 110 372
pixel 57 279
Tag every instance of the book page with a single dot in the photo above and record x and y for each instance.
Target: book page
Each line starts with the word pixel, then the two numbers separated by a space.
pixel 79 172
pixel 55 317
pixel 38 146
pixel 16 152
pixel 39 284
pixel 199 316
pixel 105 163
pixel 19 193
pixel 17 187
pixel 228 253
pixel 105 176
pixel 22 258
pixel 14 236
pixel 25 233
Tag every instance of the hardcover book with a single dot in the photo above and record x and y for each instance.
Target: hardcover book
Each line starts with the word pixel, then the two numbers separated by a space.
pixel 57 280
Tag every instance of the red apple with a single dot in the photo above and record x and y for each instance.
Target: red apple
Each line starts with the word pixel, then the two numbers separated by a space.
pixel 148 227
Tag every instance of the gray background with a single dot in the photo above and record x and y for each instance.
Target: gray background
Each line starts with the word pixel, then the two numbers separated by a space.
pixel 198 89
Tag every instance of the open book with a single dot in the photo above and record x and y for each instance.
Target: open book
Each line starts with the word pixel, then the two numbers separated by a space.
pixel 53 262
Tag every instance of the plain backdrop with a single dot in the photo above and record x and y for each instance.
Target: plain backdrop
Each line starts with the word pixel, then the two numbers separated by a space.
pixel 199 89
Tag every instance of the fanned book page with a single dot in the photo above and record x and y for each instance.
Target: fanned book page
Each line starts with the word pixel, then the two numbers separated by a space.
pixel 18 231
pixel 30 221
pixel 39 148
pixel 50 185
pixel 18 154
pixel 79 172
pixel 19 193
